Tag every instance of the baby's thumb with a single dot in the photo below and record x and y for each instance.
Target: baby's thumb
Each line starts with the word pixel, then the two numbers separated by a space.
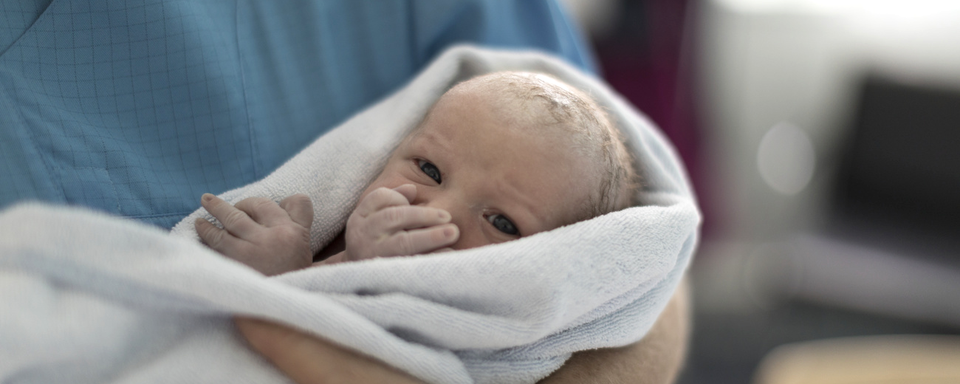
pixel 409 191
pixel 300 209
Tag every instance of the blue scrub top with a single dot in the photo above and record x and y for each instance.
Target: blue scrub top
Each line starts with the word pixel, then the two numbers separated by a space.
pixel 137 107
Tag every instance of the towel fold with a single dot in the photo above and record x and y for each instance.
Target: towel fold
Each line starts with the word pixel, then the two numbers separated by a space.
pixel 85 297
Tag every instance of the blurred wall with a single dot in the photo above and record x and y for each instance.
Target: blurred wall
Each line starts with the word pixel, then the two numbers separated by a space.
pixel 777 82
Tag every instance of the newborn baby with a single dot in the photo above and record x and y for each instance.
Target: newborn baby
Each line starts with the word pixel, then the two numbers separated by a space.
pixel 498 157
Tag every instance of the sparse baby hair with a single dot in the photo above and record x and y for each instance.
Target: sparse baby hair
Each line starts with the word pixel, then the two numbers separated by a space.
pixel 545 101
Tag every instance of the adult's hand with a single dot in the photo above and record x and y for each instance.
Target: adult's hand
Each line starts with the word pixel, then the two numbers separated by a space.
pixel 656 359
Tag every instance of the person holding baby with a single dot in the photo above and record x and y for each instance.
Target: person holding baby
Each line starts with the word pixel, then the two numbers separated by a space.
pixel 498 157
pixel 127 125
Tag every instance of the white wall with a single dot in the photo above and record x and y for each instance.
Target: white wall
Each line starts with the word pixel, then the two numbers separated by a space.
pixel 796 64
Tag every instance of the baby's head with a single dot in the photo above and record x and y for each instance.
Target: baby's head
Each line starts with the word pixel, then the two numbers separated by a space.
pixel 512 154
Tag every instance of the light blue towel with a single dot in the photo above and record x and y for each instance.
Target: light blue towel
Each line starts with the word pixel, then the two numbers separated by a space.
pixel 89 298
pixel 136 107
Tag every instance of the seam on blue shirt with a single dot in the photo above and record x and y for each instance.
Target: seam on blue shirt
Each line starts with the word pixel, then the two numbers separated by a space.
pixel 155 215
pixel 243 84
pixel 31 135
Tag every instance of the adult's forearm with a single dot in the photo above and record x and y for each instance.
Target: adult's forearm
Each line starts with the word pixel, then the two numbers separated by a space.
pixel 656 359
pixel 310 360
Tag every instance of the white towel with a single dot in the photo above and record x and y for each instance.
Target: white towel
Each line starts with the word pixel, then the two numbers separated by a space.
pixel 89 298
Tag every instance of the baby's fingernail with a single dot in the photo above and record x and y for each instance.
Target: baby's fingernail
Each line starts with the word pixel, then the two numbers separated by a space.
pixel 206 197
pixel 449 232
pixel 443 215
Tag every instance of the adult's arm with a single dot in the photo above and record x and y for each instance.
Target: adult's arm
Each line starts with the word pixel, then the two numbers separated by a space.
pixel 310 360
pixel 655 359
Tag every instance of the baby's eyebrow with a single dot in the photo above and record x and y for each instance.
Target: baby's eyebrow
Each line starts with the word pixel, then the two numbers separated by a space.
pixel 527 204
pixel 430 137
pixel 434 142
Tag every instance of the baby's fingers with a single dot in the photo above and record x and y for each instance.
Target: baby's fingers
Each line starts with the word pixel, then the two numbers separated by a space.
pixel 300 209
pixel 394 219
pixel 419 240
pixel 382 197
pixel 234 220
pixel 216 238
pixel 263 211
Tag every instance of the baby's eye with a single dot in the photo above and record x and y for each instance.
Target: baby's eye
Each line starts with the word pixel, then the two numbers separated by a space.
pixel 503 224
pixel 430 169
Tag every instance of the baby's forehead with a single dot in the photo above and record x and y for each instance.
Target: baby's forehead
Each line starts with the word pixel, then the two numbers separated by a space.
pixel 536 105
pixel 518 125
pixel 531 101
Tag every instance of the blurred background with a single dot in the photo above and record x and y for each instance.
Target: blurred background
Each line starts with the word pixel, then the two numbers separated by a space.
pixel 823 140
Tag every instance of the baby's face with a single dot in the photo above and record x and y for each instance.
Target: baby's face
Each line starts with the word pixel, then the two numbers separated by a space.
pixel 498 179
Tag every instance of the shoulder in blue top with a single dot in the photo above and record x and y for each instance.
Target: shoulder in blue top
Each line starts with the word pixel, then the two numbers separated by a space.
pixel 138 107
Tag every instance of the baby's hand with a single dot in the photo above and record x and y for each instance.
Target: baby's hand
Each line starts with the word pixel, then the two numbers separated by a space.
pixel 268 237
pixel 385 224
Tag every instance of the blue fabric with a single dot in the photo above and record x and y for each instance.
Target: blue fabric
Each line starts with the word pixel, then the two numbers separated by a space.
pixel 138 107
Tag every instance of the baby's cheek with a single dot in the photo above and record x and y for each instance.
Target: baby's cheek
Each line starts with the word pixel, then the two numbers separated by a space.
pixel 373 186
pixel 391 177
pixel 470 237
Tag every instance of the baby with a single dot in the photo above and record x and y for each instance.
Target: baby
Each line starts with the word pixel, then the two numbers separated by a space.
pixel 498 157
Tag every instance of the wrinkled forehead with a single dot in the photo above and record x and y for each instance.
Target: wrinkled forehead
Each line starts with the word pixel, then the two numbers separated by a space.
pixel 514 117
pixel 527 100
